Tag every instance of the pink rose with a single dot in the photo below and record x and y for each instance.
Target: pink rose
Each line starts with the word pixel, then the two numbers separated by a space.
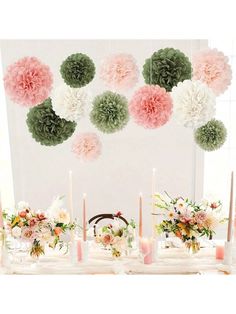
pixel 107 239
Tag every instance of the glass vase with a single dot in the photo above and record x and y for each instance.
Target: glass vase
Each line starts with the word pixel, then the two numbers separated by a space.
pixel 192 246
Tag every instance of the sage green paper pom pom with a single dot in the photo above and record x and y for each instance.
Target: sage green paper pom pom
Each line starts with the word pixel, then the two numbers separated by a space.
pixel 211 136
pixel 110 112
pixel 77 70
pixel 46 127
pixel 166 68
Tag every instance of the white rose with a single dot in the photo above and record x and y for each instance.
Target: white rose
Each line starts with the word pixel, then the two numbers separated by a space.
pixel 22 206
pixel 28 216
pixel 62 216
pixel 16 232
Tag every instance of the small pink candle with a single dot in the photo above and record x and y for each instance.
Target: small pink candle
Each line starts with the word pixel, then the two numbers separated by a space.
pixel 220 252
pixel 79 250
pixel 146 246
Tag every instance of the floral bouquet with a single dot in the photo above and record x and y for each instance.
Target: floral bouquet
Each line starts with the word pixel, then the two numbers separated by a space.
pixel 188 220
pixel 116 237
pixel 38 228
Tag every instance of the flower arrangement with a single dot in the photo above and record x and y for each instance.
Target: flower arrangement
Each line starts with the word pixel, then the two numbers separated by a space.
pixel 46 127
pixel 38 228
pixel 188 220
pixel 28 81
pixel 116 237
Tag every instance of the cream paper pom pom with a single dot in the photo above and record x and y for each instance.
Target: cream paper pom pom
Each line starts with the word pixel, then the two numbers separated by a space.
pixel 194 103
pixel 70 103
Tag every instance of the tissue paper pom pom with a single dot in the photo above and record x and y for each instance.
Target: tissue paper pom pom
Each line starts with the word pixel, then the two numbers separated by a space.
pixel 166 68
pixel 77 70
pixel 211 67
pixel 120 71
pixel 28 81
pixel 69 103
pixel 46 127
pixel 110 112
pixel 151 106
pixel 211 136
pixel 194 103
pixel 87 146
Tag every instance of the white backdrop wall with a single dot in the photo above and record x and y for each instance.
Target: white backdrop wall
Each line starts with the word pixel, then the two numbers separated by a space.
pixel 124 169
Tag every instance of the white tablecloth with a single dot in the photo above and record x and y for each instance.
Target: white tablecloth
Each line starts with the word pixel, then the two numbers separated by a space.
pixel 169 261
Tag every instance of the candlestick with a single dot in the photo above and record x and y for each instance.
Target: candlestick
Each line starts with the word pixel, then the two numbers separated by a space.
pixel 231 204
pixel 154 218
pixel 140 215
pixel 84 218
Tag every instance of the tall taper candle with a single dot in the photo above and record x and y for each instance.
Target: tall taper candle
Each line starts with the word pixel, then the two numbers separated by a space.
pixel 153 202
pixel 84 218
pixel 71 196
pixel 231 205
pixel 140 215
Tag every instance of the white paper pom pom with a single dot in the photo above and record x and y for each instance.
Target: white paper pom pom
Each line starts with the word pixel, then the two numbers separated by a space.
pixel 70 103
pixel 194 103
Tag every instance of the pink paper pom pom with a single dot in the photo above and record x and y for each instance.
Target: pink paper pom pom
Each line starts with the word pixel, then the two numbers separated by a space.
pixel 151 106
pixel 211 67
pixel 28 82
pixel 119 72
pixel 87 146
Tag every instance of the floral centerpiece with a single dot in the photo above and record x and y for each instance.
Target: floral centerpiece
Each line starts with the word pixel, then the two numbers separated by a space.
pixel 188 220
pixel 39 228
pixel 117 237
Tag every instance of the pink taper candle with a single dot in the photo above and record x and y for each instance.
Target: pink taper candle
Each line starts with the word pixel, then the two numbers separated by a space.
pixel 84 218
pixel 231 205
pixel 140 215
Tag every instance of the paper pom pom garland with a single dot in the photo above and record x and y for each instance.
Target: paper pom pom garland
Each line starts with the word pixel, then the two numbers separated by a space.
pixel 110 112
pixel 211 67
pixel 70 103
pixel 166 68
pixel 28 81
pixel 211 136
pixel 46 127
pixel 119 72
pixel 86 146
pixel 194 103
pixel 77 70
pixel 151 106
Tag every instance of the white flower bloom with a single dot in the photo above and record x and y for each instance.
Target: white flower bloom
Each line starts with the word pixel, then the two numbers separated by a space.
pixel 62 216
pixel 70 103
pixel 22 206
pixel 16 232
pixel 56 211
pixel 116 225
pixel 181 205
pixel 194 103
pixel 28 215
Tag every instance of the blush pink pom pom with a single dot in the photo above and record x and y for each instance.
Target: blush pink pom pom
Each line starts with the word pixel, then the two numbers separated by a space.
pixel 28 82
pixel 87 146
pixel 119 72
pixel 211 67
pixel 151 106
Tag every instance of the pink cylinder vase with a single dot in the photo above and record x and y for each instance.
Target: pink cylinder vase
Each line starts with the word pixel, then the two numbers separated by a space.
pixel 82 250
pixel 146 248
pixel 220 252
pixel 79 250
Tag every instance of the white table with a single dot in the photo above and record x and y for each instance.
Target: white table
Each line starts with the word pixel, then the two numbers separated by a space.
pixel 170 261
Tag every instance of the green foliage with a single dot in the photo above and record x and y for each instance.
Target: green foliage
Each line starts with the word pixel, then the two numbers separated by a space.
pixel 166 68
pixel 110 112
pixel 46 127
pixel 211 136
pixel 77 70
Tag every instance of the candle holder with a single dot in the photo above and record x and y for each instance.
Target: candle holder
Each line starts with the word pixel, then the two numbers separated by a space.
pixel 228 253
pixel 82 250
